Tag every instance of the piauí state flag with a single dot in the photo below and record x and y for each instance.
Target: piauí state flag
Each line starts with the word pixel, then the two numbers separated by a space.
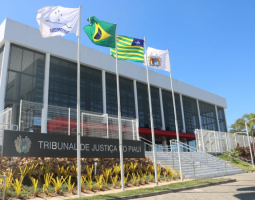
pixel 129 49
pixel 100 32
pixel 57 20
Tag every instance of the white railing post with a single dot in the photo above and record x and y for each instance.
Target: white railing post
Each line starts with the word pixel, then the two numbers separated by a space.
pixel 133 129
pixel 69 121
pixel 81 124
pixel 107 125
pixel 20 110
pixel 137 130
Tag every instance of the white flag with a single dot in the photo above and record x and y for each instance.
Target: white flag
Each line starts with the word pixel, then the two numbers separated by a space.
pixel 157 59
pixel 57 20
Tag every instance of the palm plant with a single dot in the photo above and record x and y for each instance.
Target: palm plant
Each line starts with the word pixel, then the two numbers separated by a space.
pixel 250 125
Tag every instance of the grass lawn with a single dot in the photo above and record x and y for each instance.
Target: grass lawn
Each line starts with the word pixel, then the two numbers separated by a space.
pixel 154 189
pixel 238 163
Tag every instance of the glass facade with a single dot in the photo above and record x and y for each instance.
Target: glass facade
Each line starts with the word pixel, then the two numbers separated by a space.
pixel 169 110
pixel 127 99
pixel 208 116
pixel 156 110
pixel 221 118
pixel 63 86
pixel 190 114
pixel 25 77
pixel 1 57
pixel 143 106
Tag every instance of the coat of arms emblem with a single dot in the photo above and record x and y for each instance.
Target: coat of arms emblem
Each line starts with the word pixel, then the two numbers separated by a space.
pixel 154 61
pixel 22 144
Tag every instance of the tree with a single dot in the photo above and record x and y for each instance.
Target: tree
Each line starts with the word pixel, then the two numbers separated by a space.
pixel 250 125
pixel 238 126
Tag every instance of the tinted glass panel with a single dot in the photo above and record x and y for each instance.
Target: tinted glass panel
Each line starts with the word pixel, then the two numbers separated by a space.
pixel 208 116
pixel 22 82
pixel 63 85
pixel 169 110
pixel 221 117
pixel 127 100
pixel 190 114
pixel 143 106
pixel 156 110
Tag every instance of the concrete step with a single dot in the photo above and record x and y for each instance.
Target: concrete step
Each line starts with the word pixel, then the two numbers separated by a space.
pixel 206 165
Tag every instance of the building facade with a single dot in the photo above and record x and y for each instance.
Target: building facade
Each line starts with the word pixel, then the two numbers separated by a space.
pixel 45 71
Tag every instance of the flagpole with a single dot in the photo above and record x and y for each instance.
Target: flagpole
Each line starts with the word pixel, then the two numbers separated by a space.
pixel 78 112
pixel 175 117
pixel 119 117
pixel 151 118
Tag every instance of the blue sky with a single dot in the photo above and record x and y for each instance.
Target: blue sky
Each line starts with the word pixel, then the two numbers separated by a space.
pixel 211 43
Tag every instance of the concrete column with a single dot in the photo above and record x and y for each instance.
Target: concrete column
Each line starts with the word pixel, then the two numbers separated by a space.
pixel 199 117
pixel 136 103
pixel 183 117
pixel 45 94
pixel 229 144
pixel 162 110
pixel 104 91
pixel 217 118
pixel 3 76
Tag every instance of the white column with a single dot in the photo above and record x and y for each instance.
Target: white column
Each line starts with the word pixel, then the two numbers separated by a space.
pixel 162 110
pixel 45 94
pixel 199 117
pixel 217 118
pixel 183 118
pixel 136 103
pixel 225 120
pixel 3 76
pixel 104 91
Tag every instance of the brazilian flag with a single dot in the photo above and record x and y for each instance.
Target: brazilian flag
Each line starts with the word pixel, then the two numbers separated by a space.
pixel 100 32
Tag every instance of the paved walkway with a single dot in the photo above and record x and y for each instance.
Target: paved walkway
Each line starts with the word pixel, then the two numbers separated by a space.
pixel 243 189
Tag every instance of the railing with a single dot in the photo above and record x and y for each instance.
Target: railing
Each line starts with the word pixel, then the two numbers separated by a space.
pixel 192 162
pixel 166 149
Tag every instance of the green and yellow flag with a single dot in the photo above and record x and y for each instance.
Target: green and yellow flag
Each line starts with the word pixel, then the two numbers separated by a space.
pixel 100 32
pixel 129 49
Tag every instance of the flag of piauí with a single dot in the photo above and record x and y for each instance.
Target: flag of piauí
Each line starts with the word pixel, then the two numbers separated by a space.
pixel 100 32
pixel 129 49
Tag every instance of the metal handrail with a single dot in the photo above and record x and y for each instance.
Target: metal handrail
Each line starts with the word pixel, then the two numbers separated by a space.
pixel 186 145
pixel 11 125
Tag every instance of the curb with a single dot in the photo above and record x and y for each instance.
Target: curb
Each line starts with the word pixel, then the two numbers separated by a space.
pixel 171 191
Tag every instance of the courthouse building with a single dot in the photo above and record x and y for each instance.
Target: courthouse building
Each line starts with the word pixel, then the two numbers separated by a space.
pixel 45 71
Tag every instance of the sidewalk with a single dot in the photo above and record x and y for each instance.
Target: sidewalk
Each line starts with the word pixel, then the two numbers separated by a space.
pixel 243 189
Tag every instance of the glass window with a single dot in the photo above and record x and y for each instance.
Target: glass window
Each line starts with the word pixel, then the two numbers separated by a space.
pixel 190 114
pixel 169 110
pixel 221 118
pixel 25 78
pixel 143 106
pixel 156 110
pixel 127 100
pixel 22 81
pixel 63 86
pixel 208 116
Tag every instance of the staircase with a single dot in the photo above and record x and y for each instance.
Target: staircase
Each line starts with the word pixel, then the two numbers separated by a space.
pixel 195 165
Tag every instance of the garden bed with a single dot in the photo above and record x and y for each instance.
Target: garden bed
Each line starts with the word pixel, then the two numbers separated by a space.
pixel 34 177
